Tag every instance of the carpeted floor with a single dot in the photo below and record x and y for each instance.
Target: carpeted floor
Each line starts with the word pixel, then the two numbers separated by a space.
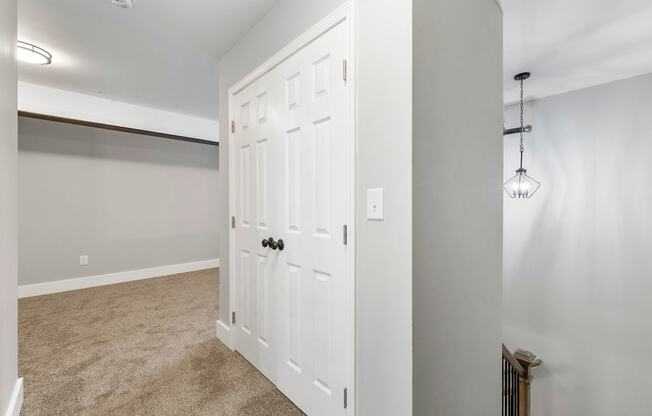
pixel 138 348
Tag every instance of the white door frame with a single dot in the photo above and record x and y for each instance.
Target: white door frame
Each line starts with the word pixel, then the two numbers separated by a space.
pixel 343 13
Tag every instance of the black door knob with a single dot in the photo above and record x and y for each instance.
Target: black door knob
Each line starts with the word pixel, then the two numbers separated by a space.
pixel 280 245
pixel 269 242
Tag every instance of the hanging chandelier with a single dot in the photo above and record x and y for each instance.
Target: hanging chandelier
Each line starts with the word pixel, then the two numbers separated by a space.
pixel 521 185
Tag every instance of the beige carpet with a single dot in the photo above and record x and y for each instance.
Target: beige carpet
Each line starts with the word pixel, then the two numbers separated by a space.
pixel 138 348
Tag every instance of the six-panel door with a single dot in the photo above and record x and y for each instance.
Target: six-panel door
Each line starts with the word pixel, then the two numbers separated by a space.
pixel 293 178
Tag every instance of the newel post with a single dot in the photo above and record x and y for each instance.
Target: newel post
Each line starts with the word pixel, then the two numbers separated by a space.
pixel 528 360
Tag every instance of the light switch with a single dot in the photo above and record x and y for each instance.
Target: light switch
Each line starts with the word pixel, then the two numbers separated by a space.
pixel 375 204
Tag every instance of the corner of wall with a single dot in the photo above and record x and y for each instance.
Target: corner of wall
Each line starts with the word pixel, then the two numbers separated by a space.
pixel 16 399
pixel 8 205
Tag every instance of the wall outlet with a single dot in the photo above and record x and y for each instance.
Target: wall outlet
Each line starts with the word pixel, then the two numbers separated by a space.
pixel 83 260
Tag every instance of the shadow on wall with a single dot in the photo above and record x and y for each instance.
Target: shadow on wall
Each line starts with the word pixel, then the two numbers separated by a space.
pixel 42 136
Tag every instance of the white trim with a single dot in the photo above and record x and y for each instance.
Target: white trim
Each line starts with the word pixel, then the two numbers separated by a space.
pixel 16 400
pixel 352 206
pixel 333 19
pixel 223 332
pixel 38 289
pixel 346 12
pixel 39 99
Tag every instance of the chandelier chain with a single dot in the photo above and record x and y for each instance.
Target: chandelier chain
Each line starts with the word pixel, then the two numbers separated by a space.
pixel 522 125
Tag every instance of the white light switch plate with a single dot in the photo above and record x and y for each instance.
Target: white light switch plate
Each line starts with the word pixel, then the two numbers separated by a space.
pixel 375 204
pixel 83 260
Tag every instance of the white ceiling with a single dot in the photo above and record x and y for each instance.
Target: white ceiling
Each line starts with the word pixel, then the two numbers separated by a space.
pixel 164 53
pixel 573 44
pixel 161 53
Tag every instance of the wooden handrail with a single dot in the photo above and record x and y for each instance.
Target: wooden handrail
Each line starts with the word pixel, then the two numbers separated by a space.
pixel 516 381
pixel 514 362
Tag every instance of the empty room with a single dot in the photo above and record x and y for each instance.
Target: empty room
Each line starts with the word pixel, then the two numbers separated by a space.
pixel 325 207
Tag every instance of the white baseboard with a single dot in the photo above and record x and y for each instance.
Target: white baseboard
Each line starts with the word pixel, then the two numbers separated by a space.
pixel 38 289
pixel 224 333
pixel 16 401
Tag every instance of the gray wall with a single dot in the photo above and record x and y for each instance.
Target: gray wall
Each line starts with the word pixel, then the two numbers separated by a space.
pixel 578 287
pixel 8 204
pixel 383 258
pixel 127 201
pixel 384 249
pixel 457 233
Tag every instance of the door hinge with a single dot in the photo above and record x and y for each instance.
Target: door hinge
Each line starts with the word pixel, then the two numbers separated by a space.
pixel 232 222
pixel 344 71
pixel 345 234
pixel 233 318
pixel 232 126
pixel 346 398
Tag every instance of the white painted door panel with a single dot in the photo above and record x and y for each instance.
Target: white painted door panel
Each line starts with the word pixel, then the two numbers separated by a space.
pixel 293 174
pixel 255 215
pixel 313 207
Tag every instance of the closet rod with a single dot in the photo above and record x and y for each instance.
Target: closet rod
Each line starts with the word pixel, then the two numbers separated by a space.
pixel 114 128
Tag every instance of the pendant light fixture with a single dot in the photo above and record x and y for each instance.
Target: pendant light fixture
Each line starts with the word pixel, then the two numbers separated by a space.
pixel 27 52
pixel 521 185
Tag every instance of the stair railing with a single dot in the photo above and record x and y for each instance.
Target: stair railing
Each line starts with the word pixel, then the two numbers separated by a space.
pixel 516 381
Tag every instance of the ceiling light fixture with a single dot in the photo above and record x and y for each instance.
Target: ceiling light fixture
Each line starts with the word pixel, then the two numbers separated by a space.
pixel 521 185
pixel 27 52
pixel 125 4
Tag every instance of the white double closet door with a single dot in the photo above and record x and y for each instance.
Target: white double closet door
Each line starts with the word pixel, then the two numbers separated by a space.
pixel 292 161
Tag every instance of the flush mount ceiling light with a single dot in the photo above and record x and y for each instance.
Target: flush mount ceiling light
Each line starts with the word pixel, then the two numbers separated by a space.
pixel 521 185
pixel 125 4
pixel 32 54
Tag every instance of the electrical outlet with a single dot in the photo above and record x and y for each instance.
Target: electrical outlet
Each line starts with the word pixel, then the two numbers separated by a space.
pixel 83 260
